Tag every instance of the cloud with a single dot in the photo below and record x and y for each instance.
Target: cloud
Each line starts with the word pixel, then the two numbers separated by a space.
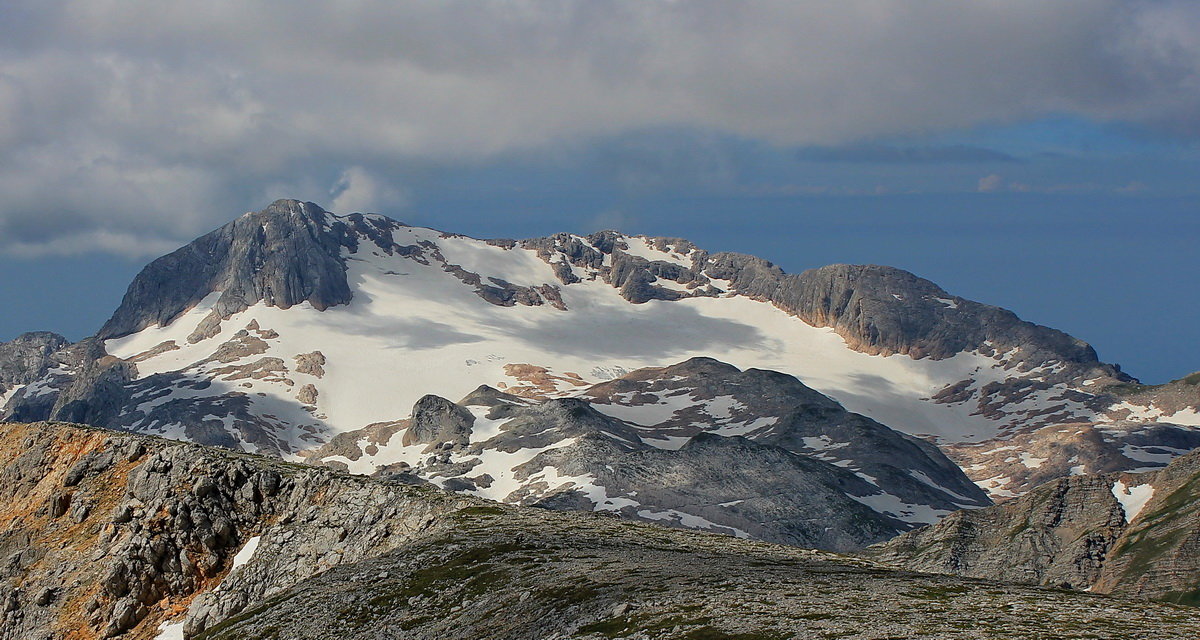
pixel 359 191
pixel 71 243
pixel 882 154
pixel 161 120
pixel 610 219
pixel 991 183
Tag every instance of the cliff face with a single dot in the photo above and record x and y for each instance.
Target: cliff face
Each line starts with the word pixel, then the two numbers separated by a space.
pixel 1132 534
pixel 107 533
pixel 285 254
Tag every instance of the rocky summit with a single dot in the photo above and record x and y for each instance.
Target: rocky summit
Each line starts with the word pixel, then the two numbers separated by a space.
pixel 119 535
pixel 304 424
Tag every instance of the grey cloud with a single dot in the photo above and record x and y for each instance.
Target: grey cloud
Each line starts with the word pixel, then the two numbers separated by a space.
pixel 651 160
pixel 159 120
pixel 883 154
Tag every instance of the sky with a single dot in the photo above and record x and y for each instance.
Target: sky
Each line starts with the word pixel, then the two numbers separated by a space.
pixel 1040 156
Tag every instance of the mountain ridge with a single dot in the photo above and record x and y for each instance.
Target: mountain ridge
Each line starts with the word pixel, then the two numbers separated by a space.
pixel 288 328
pixel 286 254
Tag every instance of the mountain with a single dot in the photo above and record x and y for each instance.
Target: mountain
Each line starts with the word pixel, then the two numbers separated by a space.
pixel 1031 457
pixel 702 444
pixel 1122 533
pixel 291 327
pixel 110 534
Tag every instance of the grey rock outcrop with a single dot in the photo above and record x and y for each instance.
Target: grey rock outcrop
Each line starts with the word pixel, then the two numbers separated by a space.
pixel 99 391
pixel 724 485
pixel 28 357
pixel 106 533
pixel 877 309
pixel 1132 534
pixel 438 421
pixel 795 418
pixel 285 254
pixel 1014 465
pixel 1177 395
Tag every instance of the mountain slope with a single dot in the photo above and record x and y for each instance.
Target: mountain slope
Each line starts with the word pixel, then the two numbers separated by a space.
pixel 292 325
pixel 701 444
pixel 1133 534
pixel 1031 457
pixel 111 534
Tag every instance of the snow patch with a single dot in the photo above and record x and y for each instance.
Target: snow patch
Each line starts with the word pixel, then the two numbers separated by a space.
pixel 1154 454
pixel 893 506
pixel 1132 499
pixel 1031 462
pixel 690 521
pixel 170 630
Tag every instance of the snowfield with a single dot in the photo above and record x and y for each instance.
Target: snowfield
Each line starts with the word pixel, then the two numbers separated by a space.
pixel 414 329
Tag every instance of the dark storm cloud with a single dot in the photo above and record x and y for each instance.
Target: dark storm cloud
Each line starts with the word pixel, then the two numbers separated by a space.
pixel 155 121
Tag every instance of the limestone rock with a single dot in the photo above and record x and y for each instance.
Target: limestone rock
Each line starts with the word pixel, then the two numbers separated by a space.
pixel 1122 533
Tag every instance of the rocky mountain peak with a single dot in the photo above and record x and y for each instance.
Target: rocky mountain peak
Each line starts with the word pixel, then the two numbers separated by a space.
pixel 286 254
pixel 27 357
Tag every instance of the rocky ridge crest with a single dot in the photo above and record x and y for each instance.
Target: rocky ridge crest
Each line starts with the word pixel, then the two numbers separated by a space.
pixel 118 535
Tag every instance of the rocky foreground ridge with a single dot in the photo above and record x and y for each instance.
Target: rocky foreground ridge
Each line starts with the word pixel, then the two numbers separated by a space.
pixel 1134 534
pixel 107 534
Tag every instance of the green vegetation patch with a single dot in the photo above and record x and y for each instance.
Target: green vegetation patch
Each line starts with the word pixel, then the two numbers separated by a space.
pixel 1160 530
pixel 219 630
pixel 1189 598
pixel 470 573
pixel 478 511
pixel 1130 388
pixel 713 633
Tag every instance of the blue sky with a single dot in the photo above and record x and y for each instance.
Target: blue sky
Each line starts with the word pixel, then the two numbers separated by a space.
pixel 1038 156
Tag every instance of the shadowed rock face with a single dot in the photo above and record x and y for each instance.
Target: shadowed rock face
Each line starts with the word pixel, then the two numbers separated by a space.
pixel 285 254
pixel 436 420
pixel 105 532
pixel 1132 534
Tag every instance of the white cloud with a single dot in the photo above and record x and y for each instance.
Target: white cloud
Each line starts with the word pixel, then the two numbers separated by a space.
pixel 193 110
pixel 358 191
